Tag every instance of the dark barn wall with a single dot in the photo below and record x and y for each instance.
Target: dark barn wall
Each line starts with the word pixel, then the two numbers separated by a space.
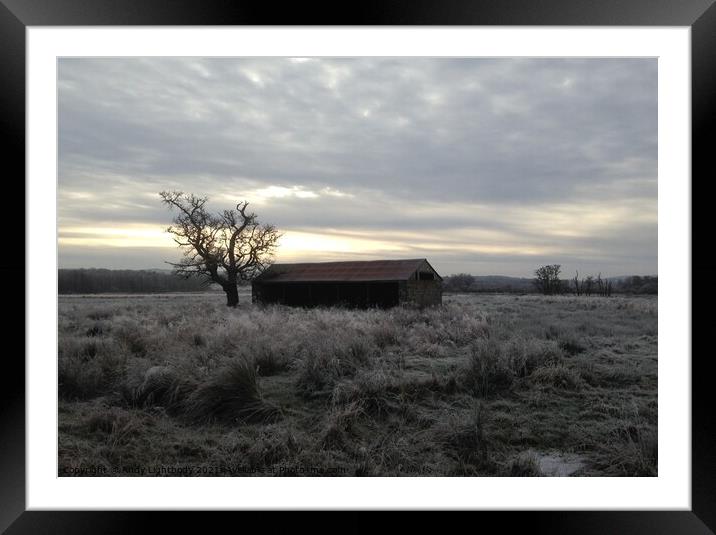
pixel 309 294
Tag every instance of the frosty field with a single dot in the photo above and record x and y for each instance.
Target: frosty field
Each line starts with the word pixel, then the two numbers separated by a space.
pixel 486 385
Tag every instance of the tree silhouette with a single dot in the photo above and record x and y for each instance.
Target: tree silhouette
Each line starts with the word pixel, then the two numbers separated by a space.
pixel 225 248
pixel 547 279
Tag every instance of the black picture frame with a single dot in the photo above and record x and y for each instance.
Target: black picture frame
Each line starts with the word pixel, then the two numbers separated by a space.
pixel 699 15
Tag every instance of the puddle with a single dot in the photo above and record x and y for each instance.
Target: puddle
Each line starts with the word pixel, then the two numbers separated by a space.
pixel 559 464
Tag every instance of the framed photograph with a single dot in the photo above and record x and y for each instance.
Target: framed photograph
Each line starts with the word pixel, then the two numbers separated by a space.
pixel 403 260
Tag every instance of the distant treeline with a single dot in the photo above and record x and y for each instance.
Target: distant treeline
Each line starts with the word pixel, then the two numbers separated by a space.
pixel 92 281
pixel 464 282
pixel 637 284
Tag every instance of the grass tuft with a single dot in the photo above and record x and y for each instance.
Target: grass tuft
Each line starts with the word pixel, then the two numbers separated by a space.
pixel 557 376
pixel 524 465
pixel 487 371
pixel 161 386
pixel 231 394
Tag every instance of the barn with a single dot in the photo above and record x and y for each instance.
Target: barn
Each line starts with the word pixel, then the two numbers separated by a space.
pixel 374 283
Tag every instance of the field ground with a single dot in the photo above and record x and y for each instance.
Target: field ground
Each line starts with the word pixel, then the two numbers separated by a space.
pixel 486 385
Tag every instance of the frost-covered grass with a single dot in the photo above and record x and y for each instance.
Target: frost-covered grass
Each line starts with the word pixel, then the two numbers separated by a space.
pixel 478 386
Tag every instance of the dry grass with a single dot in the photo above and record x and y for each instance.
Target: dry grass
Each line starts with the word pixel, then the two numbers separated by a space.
pixel 478 386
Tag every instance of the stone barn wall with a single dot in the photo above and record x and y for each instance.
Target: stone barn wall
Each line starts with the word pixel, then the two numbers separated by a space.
pixel 422 293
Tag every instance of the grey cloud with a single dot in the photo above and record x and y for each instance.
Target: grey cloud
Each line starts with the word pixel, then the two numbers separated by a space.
pixel 502 132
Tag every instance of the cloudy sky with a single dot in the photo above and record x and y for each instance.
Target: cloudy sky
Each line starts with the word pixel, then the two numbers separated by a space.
pixel 487 166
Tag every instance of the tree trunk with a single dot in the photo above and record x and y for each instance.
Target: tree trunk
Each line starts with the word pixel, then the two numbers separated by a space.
pixel 232 295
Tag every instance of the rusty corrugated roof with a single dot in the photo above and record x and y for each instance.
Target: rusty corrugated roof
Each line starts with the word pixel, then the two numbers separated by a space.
pixel 358 271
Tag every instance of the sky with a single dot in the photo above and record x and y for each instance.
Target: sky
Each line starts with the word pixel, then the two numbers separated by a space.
pixel 489 166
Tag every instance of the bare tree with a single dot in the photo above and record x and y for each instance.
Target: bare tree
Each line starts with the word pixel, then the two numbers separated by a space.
pixel 225 248
pixel 577 287
pixel 604 286
pixel 588 285
pixel 547 279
